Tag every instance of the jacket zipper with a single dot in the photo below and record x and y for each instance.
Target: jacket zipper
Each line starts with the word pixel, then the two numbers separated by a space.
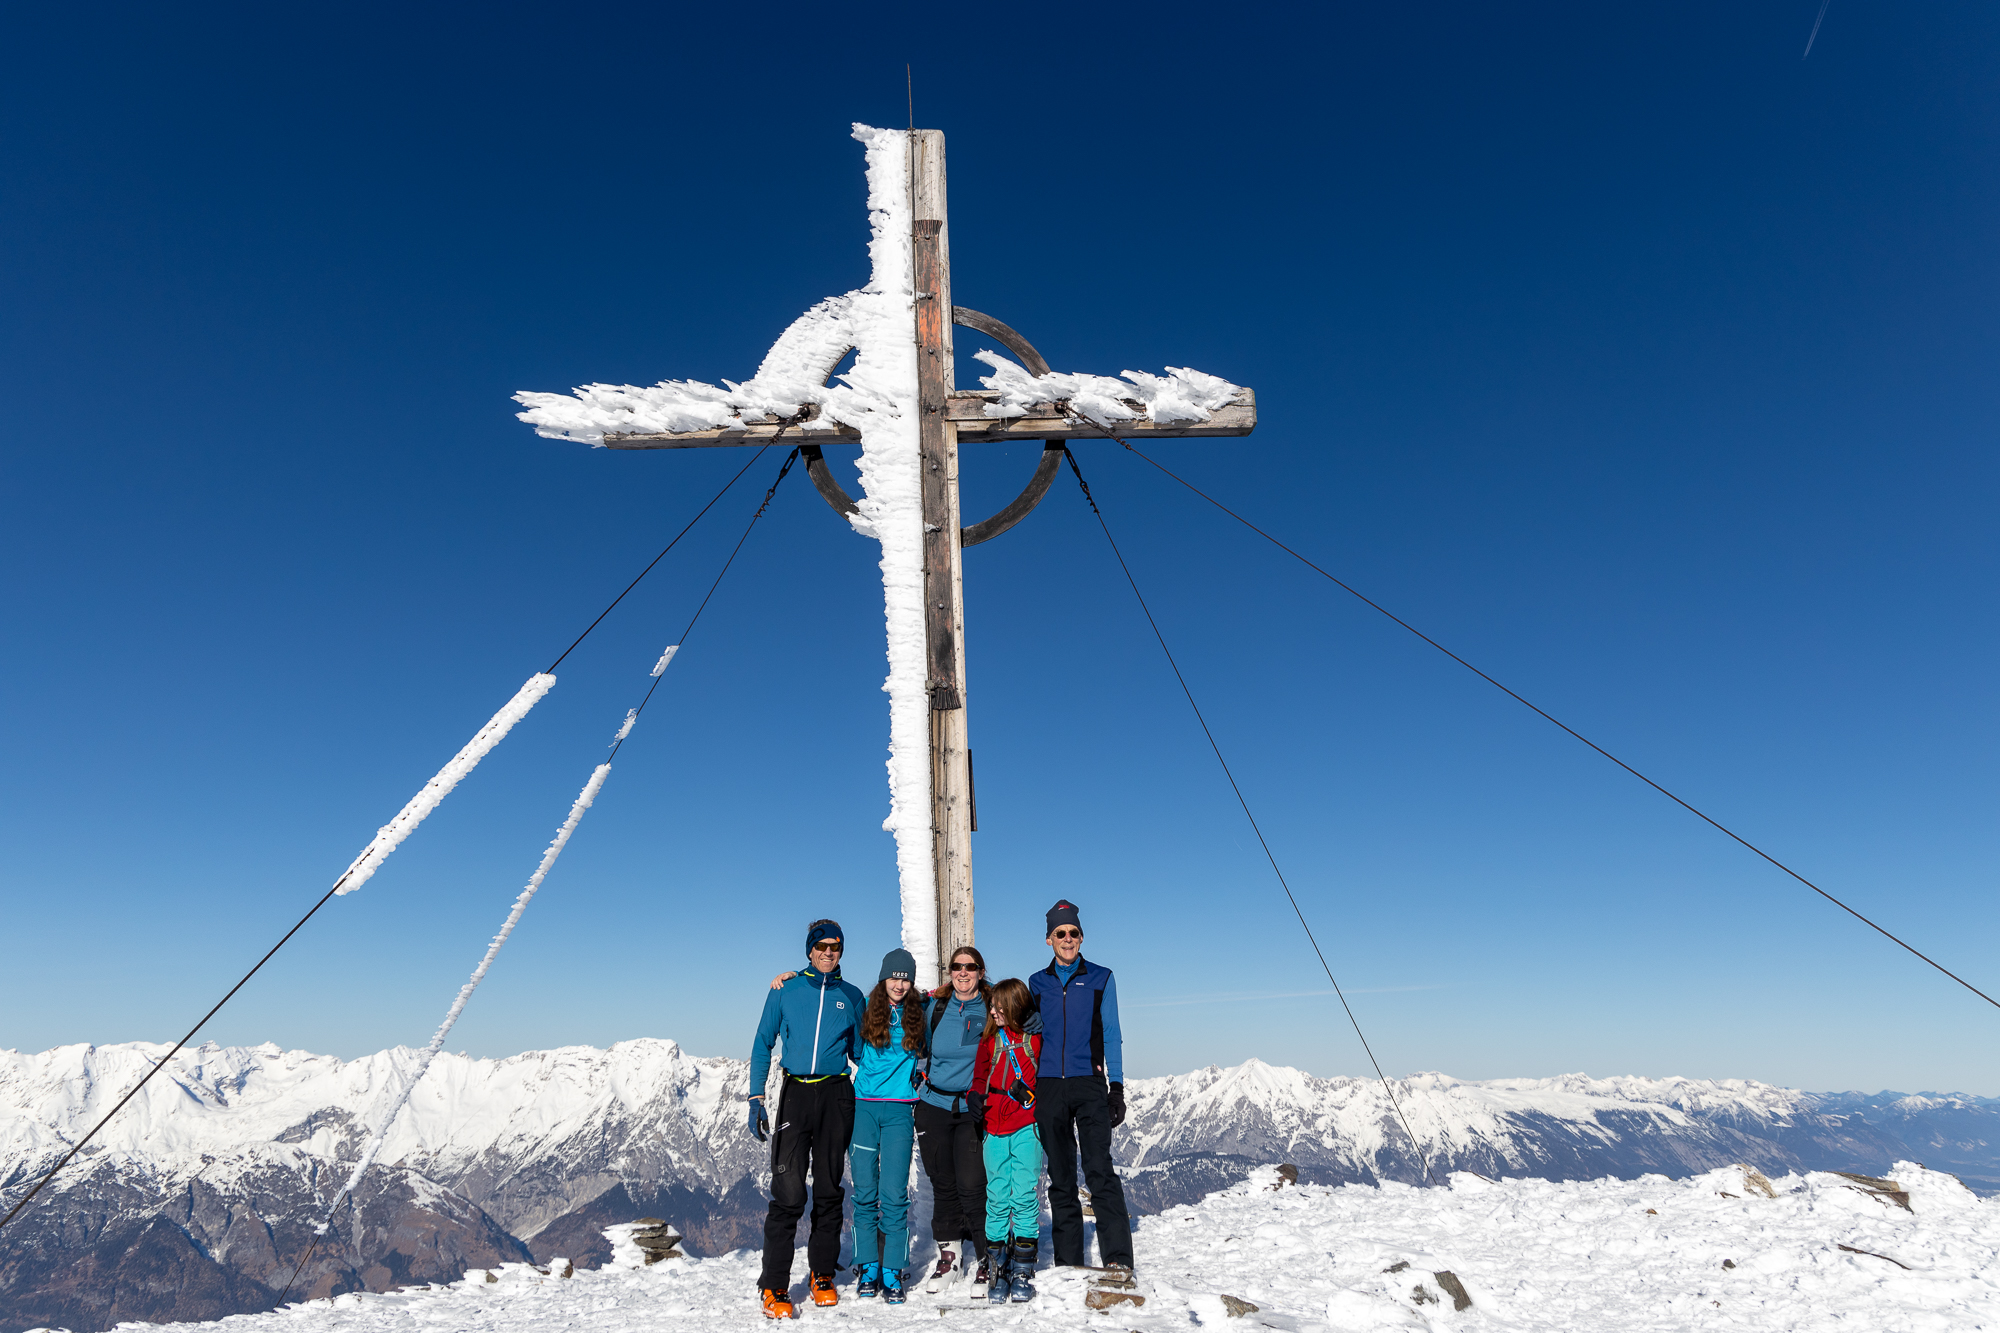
pixel 816 1023
pixel 1062 1061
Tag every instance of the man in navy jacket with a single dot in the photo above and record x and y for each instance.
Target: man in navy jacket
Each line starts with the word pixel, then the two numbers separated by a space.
pixel 1080 1091
pixel 819 1017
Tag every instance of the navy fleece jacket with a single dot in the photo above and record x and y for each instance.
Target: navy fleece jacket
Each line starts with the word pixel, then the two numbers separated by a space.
pixel 1080 1034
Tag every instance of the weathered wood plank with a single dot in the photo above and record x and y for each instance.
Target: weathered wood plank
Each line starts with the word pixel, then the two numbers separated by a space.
pixel 965 409
pixel 933 441
pixel 944 585
pixel 968 413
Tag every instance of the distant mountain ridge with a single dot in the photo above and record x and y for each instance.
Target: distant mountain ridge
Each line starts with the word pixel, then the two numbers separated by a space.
pixel 201 1198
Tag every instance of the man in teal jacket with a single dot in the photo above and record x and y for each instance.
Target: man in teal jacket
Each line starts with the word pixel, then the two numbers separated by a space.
pixel 819 1017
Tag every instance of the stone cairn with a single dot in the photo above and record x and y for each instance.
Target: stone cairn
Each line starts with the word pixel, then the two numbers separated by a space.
pixel 656 1239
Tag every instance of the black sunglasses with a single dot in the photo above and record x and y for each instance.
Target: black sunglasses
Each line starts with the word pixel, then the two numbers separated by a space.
pixel 1067 934
pixel 965 967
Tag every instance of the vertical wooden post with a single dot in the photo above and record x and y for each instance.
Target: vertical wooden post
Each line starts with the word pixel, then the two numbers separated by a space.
pixel 944 576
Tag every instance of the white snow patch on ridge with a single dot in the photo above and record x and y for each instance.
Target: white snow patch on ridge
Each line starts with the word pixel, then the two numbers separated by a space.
pixel 1640 1256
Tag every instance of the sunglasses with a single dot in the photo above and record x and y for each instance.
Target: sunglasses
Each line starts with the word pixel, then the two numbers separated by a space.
pixel 965 967
pixel 1069 934
pixel 825 946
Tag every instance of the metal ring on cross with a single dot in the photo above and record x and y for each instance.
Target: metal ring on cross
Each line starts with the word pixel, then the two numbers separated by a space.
pixel 1031 495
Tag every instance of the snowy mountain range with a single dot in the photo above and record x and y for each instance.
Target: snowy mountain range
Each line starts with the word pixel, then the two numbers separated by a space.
pixel 200 1198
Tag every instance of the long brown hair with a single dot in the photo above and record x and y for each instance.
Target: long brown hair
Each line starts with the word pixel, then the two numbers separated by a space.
pixel 985 986
pixel 875 1023
pixel 1011 995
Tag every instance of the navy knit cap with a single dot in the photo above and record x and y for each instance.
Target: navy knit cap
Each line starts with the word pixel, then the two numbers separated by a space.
pixel 823 930
pixel 898 965
pixel 1062 914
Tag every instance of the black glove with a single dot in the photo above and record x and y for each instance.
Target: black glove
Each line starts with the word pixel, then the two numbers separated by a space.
pixel 1116 1097
pixel 760 1124
pixel 975 1102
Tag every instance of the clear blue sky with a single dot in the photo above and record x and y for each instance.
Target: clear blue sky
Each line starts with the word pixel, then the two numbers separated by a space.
pixel 1644 364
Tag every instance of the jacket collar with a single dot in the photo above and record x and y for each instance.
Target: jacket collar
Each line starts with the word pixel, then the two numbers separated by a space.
pixel 818 978
pixel 1082 967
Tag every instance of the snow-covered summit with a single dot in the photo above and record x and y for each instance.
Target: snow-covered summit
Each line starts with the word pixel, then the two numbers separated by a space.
pixel 1725 1249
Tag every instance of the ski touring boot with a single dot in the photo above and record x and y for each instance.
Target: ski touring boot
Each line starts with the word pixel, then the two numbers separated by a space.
pixel 981 1276
pixel 892 1287
pixel 1019 1288
pixel 871 1280
pixel 996 1286
pixel 823 1293
pixel 946 1271
pixel 778 1305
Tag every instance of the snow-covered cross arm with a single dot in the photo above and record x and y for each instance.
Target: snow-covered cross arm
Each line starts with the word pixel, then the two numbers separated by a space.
pixel 899 402
pixel 1015 406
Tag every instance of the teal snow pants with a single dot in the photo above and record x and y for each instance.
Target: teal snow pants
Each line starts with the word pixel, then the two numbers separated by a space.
pixel 880 1156
pixel 1013 1168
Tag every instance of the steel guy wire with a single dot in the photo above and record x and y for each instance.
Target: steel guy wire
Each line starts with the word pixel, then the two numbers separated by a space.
pixel 1548 717
pixel 327 897
pixel 1422 1157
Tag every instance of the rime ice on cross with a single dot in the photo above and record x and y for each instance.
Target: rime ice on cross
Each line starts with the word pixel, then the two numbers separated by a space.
pixel 898 404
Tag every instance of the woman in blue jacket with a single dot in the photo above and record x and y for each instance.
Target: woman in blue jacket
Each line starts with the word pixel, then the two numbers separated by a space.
pixel 955 1019
pixel 885 1095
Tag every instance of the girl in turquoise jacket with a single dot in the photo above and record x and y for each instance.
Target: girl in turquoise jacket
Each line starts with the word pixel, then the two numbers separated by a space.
pixel 885 1095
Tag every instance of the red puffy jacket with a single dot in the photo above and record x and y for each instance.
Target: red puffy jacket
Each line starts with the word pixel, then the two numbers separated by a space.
pixel 993 1073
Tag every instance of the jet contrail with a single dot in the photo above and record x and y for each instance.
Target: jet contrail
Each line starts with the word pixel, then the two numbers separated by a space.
pixel 1816 22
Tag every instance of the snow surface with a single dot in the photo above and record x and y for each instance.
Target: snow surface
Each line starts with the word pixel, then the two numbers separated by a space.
pixel 1589 1256
pixel 390 836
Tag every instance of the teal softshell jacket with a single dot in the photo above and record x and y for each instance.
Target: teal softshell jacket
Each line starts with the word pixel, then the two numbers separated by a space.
pixel 887 1073
pixel 819 1016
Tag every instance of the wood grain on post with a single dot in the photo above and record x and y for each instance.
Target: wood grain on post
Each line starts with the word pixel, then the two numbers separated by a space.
pixel 944 576
pixel 935 458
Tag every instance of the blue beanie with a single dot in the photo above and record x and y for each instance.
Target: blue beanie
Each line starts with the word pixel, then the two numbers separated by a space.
pixel 898 965
pixel 823 930
pixel 1062 914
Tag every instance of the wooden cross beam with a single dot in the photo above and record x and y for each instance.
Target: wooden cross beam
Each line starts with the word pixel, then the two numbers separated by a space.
pixel 949 417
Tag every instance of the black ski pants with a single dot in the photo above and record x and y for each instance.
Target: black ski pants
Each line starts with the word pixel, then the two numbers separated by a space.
pixel 948 1141
pixel 1073 1113
pixel 815 1123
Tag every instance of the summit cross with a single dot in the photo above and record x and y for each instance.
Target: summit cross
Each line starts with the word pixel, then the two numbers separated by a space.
pixel 908 307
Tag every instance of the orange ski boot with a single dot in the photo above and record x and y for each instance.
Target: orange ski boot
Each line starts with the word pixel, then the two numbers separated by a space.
pixel 778 1305
pixel 822 1290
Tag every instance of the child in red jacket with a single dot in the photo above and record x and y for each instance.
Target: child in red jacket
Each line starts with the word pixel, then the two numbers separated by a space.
pixel 1003 1097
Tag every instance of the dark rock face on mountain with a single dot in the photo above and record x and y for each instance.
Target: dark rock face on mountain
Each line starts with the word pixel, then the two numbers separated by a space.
pixel 126 1242
pixel 204 1196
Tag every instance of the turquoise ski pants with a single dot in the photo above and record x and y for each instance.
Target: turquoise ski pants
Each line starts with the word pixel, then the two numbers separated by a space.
pixel 880 1156
pixel 1013 1168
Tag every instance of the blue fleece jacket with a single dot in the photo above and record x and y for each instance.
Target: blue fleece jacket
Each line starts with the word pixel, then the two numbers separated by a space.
pixel 819 1016
pixel 954 1048
pixel 887 1073
pixel 1079 1012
